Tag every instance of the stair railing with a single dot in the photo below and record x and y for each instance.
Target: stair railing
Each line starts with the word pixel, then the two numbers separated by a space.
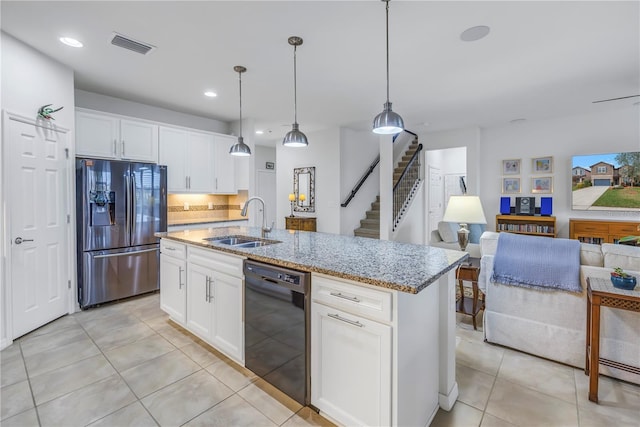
pixel 405 186
pixel 369 171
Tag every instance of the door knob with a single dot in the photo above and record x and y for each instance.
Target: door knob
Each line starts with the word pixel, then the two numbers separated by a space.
pixel 19 240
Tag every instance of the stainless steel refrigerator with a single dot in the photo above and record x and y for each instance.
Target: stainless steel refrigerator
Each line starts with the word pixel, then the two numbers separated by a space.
pixel 119 207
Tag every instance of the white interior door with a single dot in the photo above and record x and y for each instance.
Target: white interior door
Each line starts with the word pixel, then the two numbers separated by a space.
pixel 266 188
pixel 37 174
pixel 436 197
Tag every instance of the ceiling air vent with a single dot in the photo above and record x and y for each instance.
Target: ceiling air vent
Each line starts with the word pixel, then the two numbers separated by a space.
pixel 130 44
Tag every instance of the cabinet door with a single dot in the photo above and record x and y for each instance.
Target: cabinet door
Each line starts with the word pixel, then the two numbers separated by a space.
pixel 350 367
pixel 173 150
pixel 225 169
pixel 199 304
pixel 96 135
pixel 227 315
pixel 200 163
pixel 138 141
pixel 173 277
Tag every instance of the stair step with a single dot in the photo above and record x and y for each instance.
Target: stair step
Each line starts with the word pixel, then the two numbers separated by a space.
pixel 375 206
pixel 373 215
pixel 370 223
pixel 364 232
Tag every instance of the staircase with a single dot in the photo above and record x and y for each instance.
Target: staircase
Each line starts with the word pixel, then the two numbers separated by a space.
pixel 370 225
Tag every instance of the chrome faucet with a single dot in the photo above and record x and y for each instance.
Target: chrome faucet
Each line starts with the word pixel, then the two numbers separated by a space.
pixel 265 229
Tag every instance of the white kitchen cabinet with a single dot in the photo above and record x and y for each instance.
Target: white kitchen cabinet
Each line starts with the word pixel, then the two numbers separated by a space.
pixel 189 157
pixel 351 361
pixel 115 137
pixel 215 300
pixel 225 169
pixel 173 276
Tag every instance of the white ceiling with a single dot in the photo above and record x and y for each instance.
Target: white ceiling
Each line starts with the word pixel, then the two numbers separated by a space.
pixel 541 59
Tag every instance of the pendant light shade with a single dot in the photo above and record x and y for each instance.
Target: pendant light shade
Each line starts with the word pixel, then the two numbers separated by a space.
pixel 388 122
pixel 240 148
pixel 295 138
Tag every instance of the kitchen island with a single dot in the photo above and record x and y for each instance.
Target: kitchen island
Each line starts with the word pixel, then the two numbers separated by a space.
pixel 401 296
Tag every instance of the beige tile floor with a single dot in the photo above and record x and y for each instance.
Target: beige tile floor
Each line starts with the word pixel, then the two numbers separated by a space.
pixel 125 364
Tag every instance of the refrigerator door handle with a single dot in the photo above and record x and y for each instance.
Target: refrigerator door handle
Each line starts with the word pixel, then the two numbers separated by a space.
pixel 127 190
pixel 134 214
pixel 125 253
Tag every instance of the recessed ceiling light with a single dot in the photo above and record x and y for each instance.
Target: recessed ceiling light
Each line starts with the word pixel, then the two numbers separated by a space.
pixel 474 33
pixel 69 41
pixel 516 121
pixel 210 94
pixel 259 132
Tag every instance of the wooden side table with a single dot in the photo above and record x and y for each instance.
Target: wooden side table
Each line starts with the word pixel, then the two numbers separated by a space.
pixel 470 306
pixel 600 292
pixel 304 223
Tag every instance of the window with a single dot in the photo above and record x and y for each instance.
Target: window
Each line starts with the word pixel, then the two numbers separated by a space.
pixel 602 169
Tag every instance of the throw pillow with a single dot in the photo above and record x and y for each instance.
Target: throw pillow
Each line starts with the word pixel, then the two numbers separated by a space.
pixel 475 231
pixel 448 231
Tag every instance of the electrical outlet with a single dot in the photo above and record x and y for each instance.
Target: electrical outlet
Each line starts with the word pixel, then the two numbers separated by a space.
pixel 210 205
pixel 186 206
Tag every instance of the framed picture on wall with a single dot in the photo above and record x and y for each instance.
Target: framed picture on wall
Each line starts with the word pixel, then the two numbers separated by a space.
pixel 511 167
pixel 542 185
pixel 510 185
pixel 542 165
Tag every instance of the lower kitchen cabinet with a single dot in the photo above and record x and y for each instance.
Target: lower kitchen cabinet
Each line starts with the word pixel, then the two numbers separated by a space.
pixel 173 276
pixel 199 305
pixel 350 367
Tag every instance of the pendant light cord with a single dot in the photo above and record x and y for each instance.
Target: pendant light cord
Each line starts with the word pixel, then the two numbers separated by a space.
pixel 240 81
pixel 387 1
pixel 295 85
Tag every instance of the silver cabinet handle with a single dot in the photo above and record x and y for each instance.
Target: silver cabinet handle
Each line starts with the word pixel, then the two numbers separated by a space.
pixel 186 182
pixel 210 289
pixel 19 240
pixel 115 148
pixel 170 249
pixel 189 183
pixel 180 284
pixel 123 148
pixel 347 297
pixel 351 322
pixel 216 183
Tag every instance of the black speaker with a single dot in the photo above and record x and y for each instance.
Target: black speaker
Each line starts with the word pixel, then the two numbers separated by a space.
pixel 525 205
pixel 505 205
pixel 546 206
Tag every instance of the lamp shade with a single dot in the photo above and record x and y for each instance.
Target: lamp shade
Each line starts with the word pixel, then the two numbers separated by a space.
pixel 295 138
pixel 464 209
pixel 240 148
pixel 388 122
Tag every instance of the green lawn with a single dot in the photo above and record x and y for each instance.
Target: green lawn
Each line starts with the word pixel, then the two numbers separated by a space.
pixel 628 197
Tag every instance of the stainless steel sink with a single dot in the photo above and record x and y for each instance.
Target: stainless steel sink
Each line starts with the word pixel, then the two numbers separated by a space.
pixel 241 241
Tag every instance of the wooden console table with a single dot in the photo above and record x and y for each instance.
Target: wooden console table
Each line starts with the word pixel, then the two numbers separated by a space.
pixel 470 306
pixel 303 223
pixel 599 232
pixel 600 292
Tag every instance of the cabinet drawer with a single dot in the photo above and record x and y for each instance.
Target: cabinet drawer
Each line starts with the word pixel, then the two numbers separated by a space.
pixel 223 263
pixel 624 229
pixel 173 249
pixel 355 299
pixel 591 227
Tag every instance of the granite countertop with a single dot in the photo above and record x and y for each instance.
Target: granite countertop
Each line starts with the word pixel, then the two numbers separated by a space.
pixel 399 266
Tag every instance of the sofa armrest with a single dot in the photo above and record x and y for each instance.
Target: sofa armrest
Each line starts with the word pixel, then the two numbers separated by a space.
pixel 486 270
pixel 489 243
pixel 435 237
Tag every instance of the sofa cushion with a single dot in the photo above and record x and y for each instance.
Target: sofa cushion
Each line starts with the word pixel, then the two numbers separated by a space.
pixel 591 254
pixel 623 256
pixel 448 231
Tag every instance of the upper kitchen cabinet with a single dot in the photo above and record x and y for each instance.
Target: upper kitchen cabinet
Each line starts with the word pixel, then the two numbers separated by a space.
pixel 189 157
pixel 113 137
pixel 225 166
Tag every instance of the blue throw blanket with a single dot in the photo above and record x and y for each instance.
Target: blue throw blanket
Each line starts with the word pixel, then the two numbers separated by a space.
pixel 537 262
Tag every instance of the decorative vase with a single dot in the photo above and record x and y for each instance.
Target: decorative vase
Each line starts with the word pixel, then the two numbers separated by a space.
pixel 627 283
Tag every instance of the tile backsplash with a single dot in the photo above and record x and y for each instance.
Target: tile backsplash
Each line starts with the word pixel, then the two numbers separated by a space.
pixel 186 208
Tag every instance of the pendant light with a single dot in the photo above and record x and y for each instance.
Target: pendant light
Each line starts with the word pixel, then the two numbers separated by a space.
pixel 240 148
pixel 388 122
pixel 295 138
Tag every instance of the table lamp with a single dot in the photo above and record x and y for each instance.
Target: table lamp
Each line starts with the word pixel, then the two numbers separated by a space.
pixel 292 200
pixel 464 210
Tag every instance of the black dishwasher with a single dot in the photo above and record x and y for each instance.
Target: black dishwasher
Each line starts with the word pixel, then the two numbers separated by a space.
pixel 276 330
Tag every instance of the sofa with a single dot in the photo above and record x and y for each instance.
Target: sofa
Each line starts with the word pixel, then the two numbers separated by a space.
pixel 552 324
pixel 446 236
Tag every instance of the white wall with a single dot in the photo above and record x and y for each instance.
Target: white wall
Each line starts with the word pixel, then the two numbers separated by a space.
pixel 358 149
pixel 109 104
pixel 562 138
pixel 30 80
pixel 323 152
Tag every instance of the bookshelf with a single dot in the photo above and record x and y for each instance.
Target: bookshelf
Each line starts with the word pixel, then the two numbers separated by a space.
pixel 527 224
pixel 601 231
